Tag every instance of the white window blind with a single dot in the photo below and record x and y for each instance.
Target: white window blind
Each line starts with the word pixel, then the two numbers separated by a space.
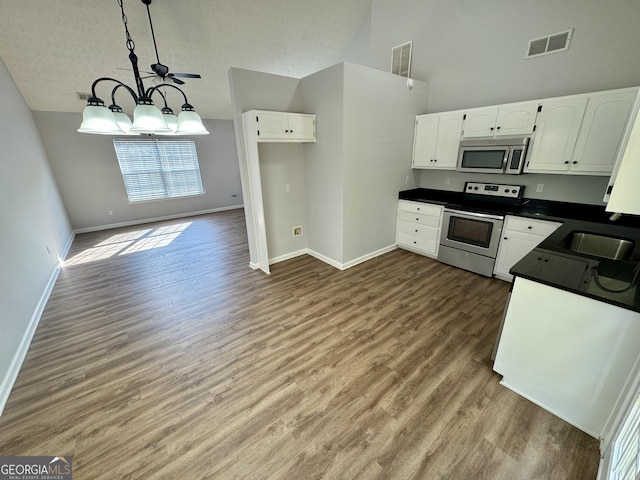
pixel 155 169
pixel 626 456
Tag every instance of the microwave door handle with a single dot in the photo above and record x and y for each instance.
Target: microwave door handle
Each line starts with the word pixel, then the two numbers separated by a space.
pixel 507 158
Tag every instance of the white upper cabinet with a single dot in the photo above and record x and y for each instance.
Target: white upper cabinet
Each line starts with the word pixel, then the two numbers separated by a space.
pixel 436 140
pixel 424 141
pixel 499 121
pixel 623 186
pixel 602 129
pixel 557 131
pixel 285 127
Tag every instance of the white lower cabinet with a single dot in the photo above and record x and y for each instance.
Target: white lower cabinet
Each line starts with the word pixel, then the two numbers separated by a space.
pixel 419 226
pixel 520 235
pixel 567 353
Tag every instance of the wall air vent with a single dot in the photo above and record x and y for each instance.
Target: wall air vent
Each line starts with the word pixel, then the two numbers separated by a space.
pixel 557 42
pixel 401 60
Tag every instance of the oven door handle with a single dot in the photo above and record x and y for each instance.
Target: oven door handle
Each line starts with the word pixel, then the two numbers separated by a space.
pixel 475 214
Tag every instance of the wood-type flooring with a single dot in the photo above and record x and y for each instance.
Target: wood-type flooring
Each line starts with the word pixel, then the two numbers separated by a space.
pixel 162 355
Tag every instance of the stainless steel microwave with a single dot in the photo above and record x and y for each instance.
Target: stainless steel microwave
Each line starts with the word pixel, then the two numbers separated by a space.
pixel 496 155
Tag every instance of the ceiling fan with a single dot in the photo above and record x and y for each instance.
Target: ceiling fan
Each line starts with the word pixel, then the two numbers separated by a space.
pixel 158 69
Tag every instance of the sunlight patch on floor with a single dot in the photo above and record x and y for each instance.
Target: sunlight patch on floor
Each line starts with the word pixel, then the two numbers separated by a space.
pixel 130 242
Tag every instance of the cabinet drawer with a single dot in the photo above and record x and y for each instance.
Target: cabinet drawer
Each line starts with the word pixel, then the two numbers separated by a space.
pixel 422 208
pixel 533 227
pixel 419 243
pixel 427 220
pixel 418 230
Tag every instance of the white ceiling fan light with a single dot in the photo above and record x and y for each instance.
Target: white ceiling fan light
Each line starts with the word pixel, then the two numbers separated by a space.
pixel 98 119
pixel 147 119
pixel 170 119
pixel 190 123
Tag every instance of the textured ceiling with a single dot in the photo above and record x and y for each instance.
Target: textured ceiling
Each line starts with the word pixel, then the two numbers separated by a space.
pixel 54 49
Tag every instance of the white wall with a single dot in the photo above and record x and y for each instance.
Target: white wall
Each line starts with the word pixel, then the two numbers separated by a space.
pixel 562 188
pixel 379 117
pixel 87 173
pixel 472 53
pixel 324 163
pixel 282 164
pixel 251 90
pixel 35 230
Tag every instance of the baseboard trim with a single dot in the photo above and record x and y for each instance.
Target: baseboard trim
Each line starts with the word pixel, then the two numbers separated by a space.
pixel 354 262
pixel 369 256
pixel 14 368
pixel 288 256
pixel 325 259
pixel 6 385
pixel 155 219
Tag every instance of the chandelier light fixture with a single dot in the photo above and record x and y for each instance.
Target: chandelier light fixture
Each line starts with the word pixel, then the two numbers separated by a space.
pixel 147 118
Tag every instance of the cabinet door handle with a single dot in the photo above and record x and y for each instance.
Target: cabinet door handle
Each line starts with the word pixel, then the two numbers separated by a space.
pixel 506 238
pixel 529 227
pixel 574 162
pixel 567 162
pixel 491 129
pixel 435 159
pixel 497 128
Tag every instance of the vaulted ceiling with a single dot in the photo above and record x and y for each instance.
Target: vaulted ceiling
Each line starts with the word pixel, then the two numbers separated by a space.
pixel 54 49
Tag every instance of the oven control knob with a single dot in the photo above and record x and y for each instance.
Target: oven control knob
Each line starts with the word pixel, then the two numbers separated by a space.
pixel 506 190
pixel 469 187
pixel 475 188
pixel 514 191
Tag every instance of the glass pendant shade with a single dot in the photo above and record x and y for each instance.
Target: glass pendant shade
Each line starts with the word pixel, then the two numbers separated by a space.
pixel 148 119
pixel 123 121
pixel 171 121
pixel 100 120
pixel 190 123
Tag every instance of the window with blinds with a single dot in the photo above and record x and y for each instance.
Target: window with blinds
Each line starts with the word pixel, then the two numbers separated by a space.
pixel 156 169
pixel 625 464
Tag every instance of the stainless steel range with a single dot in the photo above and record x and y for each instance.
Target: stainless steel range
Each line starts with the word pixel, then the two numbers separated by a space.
pixel 471 230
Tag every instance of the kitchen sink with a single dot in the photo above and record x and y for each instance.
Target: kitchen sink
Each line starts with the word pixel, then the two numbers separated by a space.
pixel 599 245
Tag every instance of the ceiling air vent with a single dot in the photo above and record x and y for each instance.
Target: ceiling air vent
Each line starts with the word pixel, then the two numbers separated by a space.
pixel 401 60
pixel 83 96
pixel 557 42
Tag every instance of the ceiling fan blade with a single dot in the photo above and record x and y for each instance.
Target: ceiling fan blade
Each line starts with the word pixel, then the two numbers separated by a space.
pixel 130 70
pixel 175 80
pixel 186 75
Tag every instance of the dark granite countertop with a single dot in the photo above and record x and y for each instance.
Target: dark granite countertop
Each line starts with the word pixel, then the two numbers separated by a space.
pixel 610 281
pixel 552 263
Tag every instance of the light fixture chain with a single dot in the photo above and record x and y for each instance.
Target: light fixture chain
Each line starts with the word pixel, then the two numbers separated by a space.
pixel 130 45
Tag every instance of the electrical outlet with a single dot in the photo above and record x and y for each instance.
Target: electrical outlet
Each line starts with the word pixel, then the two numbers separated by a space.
pixel 539 187
pixel 447 181
pixel 406 180
pixel 110 212
pixel 287 188
pixel 297 231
